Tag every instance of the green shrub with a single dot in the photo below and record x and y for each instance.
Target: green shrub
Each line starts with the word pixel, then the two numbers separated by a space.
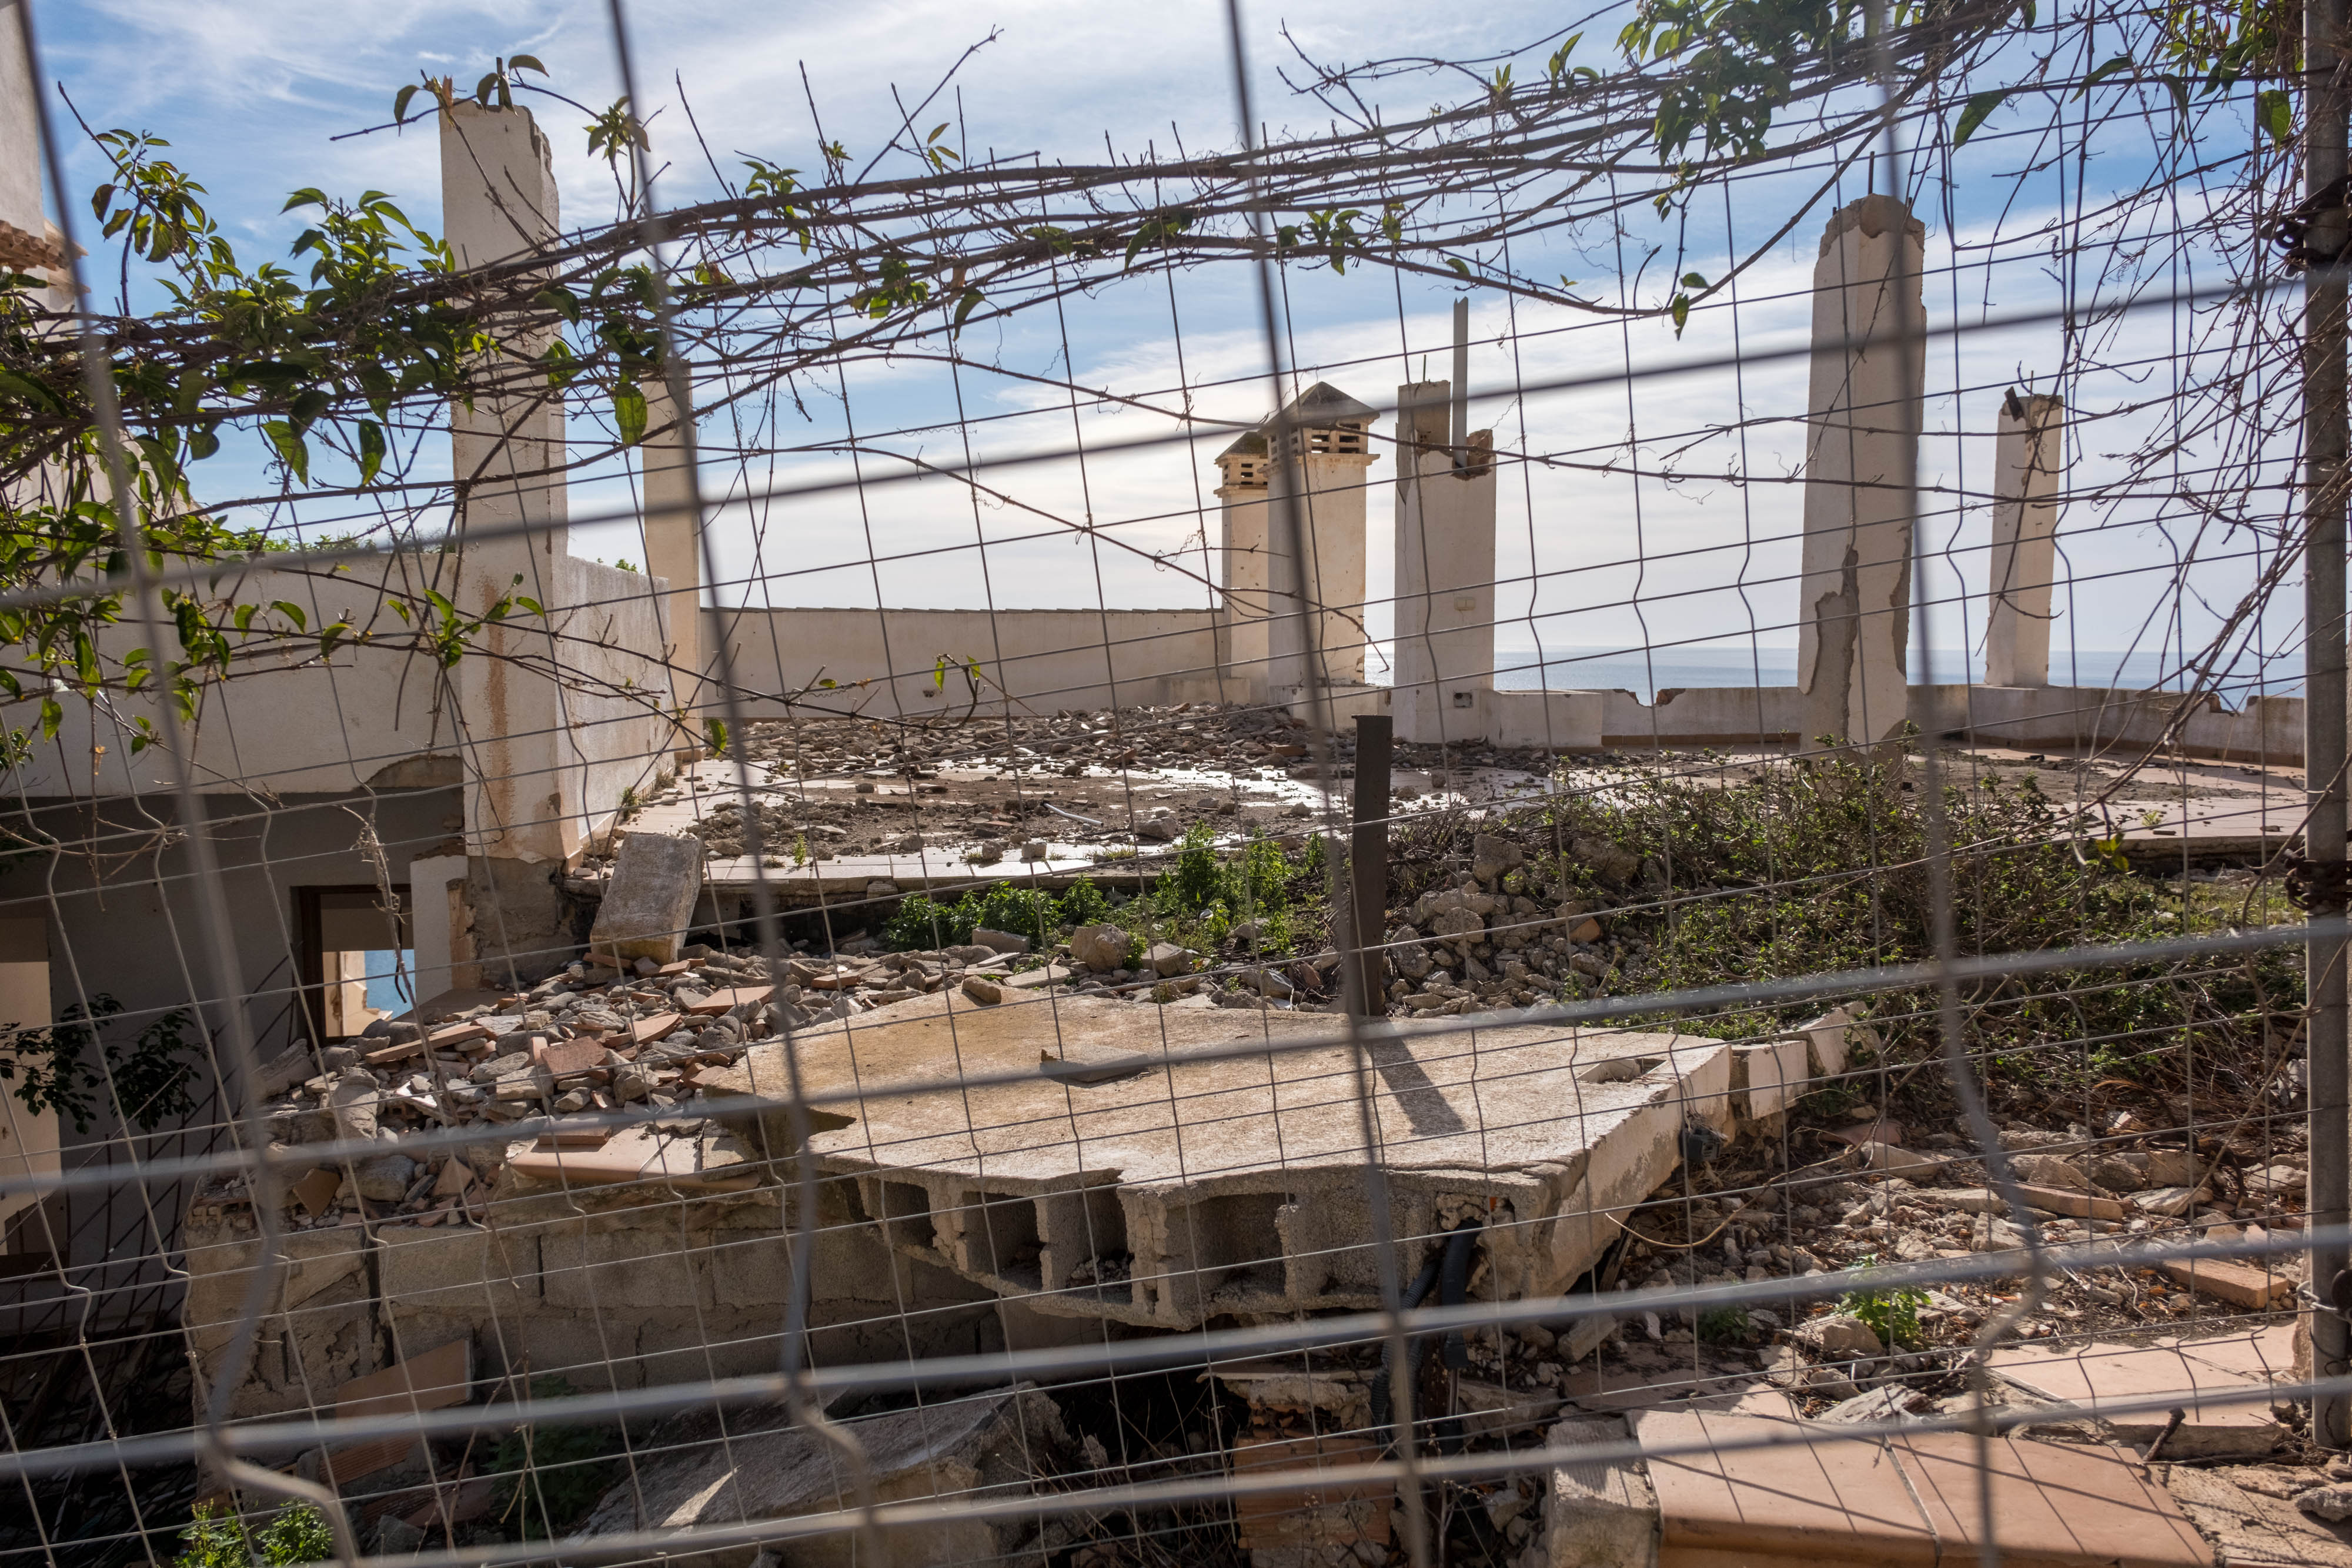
pixel 215 1537
pixel 923 923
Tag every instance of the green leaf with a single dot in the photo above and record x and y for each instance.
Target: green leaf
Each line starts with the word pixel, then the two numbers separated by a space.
pixel 1680 307
pixel 965 306
pixel 629 412
pixel 291 447
pixel 527 602
pixel 1974 114
pixel 1458 265
pixel 716 728
pixel 292 612
pixel 202 443
pixel 330 635
pixel 244 617
pixel 525 63
pixel 1694 280
pixel 2120 63
pixel 306 197
pixel 52 716
pixel 371 450
pixel 400 104
pixel 2275 115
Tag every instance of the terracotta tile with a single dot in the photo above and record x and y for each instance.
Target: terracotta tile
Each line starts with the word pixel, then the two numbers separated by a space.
pixel 622 1157
pixel 1913 1499
pixel 565 1057
pixel 317 1190
pixel 2087 1374
pixel 2055 1504
pixel 645 1031
pixel 2267 1353
pixel 427 1380
pixel 731 996
pixel 1836 1501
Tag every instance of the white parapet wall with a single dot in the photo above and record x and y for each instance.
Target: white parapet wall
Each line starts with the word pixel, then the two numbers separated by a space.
pixel 888 661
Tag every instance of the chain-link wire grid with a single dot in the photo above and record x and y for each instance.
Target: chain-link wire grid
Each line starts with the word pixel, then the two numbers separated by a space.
pixel 901 1251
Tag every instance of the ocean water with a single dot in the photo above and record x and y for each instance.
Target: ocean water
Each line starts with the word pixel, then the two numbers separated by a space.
pixel 1727 664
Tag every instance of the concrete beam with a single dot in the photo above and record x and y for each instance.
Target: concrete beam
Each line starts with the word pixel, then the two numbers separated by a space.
pixel 2026 453
pixel 1855 610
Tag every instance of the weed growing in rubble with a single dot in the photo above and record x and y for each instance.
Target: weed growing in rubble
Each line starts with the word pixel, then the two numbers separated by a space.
pixel 1207 895
pixel 554 1474
pixel 214 1537
pixel 923 923
pixel 1892 1315
pixel 1821 866
pixel 1725 1325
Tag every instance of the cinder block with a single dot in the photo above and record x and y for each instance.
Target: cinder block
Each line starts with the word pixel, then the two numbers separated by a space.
pixel 460 1270
pixel 585 1269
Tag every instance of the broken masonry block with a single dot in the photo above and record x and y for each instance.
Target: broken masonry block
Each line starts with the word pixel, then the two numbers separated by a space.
pixel 649 902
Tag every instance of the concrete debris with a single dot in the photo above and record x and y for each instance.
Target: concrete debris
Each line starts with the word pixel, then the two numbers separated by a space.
pixel 648 904
pixel 1839 1337
pixel 697 1474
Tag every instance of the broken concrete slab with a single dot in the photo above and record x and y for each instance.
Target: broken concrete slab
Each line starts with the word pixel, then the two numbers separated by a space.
pixel 700 1473
pixel 649 902
pixel 2225 1415
pixel 1237 1186
pixel 1723 1497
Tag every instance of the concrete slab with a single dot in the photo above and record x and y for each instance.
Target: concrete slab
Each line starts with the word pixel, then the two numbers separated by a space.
pixel 1910 1500
pixel 1189 1190
pixel 2226 1415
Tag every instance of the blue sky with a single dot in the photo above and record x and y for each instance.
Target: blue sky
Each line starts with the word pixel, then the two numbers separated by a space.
pixel 252 95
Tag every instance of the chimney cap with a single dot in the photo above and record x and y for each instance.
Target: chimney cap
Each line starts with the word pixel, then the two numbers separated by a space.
pixel 1323 404
pixel 1249 444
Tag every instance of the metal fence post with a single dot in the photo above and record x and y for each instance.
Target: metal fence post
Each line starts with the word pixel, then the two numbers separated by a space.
pixel 1367 857
pixel 2324 447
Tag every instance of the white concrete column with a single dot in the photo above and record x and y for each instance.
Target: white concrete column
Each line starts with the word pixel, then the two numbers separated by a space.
pixel 673 543
pixel 499 202
pixel 1242 562
pixel 2027 452
pixel 1445 655
pixel 1855 610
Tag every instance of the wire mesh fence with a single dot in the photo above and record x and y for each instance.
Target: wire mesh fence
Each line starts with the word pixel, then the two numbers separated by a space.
pixel 1136 929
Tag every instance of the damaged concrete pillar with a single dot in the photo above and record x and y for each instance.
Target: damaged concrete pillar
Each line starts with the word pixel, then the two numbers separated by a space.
pixel 525 814
pixel 1445 573
pixel 2023 561
pixel 1862 450
pixel 1242 562
pixel 674 542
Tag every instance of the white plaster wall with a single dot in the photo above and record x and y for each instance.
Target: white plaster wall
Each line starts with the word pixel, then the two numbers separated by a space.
pixel 20 150
pixel 1045 659
pixel 288 718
